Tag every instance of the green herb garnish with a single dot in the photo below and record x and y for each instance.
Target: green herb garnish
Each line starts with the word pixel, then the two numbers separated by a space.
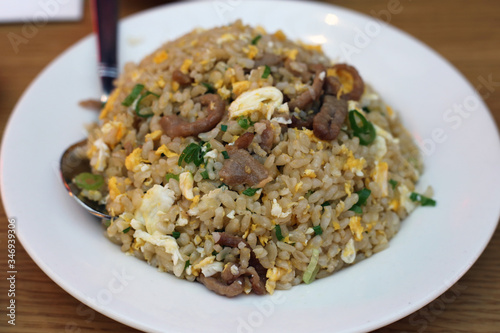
pixel 393 183
pixel 312 269
pixel 244 122
pixel 136 91
pixel 142 110
pixel 250 191
pixel 266 73
pixel 366 109
pixel 225 154
pixel 210 88
pixel 188 263
pixel 192 153
pixel 214 253
pixel 366 132
pixel 126 230
pixel 176 234
pixel 89 181
pixel 204 174
pixel 317 230
pixel 169 176
pixel 362 197
pixel 326 203
pixel 424 201
pixel 256 39
pixel 223 128
pixel 277 230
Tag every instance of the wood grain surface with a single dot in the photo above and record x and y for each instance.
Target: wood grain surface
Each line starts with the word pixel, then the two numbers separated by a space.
pixel 465 32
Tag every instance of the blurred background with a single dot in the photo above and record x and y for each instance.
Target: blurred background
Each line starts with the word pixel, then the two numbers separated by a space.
pixel 467 33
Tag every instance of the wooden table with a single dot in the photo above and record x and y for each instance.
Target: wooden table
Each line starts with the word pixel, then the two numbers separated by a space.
pixel 465 32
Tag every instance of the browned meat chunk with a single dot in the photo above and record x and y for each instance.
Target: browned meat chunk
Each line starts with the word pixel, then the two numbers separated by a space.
pixel 268 59
pixel 327 123
pixel 91 104
pixel 181 78
pixel 244 140
pixel 300 123
pixel 242 169
pixel 258 286
pixel 358 86
pixel 219 287
pixel 267 137
pixel 332 85
pixel 310 95
pixel 174 126
pixel 225 239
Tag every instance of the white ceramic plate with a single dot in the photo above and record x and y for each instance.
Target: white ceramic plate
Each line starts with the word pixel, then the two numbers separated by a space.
pixel 434 248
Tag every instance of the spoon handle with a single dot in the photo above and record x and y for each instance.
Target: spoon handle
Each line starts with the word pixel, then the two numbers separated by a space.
pixel 105 18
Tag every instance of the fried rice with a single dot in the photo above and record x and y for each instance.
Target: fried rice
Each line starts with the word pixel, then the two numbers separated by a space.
pixel 210 175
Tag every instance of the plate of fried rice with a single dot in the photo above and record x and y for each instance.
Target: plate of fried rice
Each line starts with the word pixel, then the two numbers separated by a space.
pixel 261 175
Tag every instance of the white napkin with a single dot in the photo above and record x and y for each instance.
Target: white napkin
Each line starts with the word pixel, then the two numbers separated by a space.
pixel 39 12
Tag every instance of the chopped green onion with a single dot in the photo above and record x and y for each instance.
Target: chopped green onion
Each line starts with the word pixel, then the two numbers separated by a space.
pixel 312 269
pixel 357 209
pixel 133 95
pixel 107 223
pixel 326 203
pixel 250 191
pixel 223 128
pixel 204 174
pixel 141 112
pixel 393 183
pixel 210 88
pixel 363 196
pixel 277 230
pixel 188 263
pixel 308 194
pixel 256 39
pixel 424 201
pixel 318 230
pixel 225 154
pixel 366 133
pixel 176 234
pixel 366 109
pixel 126 230
pixel 266 73
pixel 89 181
pixel 169 176
pixel 244 122
pixel 192 153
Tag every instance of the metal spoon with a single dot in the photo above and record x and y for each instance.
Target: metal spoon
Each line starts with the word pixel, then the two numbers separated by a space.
pixel 72 163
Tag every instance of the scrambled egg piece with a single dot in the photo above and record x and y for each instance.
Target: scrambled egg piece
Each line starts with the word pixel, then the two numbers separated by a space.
pixel 155 203
pixel 264 100
pixel 208 267
pixel 240 87
pixel 291 54
pixel 109 104
pixel 165 151
pixel 185 66
pixel 404 198
pixel 186 182
pixel 153 136
pixel 349 252
pixel 114 128
pixel 134 161
pixel 114 191
pixel 280 35
pixel 251 51
pixel 309 173
pixel 160 57
pixel 380 177
pixel 352 163
pixel 99 161
pixel 225 38
pixel 274 274
pixel 356 227
pixel 167 242
pixel 277 210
